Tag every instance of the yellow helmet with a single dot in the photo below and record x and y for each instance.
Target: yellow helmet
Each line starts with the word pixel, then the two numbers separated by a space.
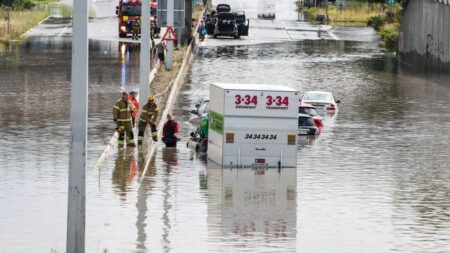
pixel 151 98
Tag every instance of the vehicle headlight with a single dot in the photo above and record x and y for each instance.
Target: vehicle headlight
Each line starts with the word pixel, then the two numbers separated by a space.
pixel 123 28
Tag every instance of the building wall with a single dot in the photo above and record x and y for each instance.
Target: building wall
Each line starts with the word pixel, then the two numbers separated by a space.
pixel 424 39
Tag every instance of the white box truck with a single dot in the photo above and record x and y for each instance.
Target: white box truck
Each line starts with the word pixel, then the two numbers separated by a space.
pixel 253 125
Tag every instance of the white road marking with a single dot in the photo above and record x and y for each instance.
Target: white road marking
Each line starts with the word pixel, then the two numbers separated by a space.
pixel 287 31
pixel 63 31
pixel 332 35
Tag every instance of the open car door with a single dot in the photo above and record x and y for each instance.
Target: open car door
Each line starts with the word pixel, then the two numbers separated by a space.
pixel 210 24
pixel 243 24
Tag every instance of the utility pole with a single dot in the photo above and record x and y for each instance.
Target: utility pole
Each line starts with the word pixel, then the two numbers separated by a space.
pixel 76 212
pixel 169 56
pixel 144 79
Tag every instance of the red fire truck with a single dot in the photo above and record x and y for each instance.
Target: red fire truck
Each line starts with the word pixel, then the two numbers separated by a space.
pixel 128 11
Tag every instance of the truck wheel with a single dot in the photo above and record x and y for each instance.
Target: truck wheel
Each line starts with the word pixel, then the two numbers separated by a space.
pixel 215 36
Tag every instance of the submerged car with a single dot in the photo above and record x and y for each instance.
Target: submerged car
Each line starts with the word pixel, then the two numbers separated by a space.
pixel 321 100
pixel 306 125
pixel 196 142
pixel 309 109
pixel 202 108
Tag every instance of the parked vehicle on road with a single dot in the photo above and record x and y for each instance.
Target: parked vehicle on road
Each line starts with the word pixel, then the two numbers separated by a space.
pixel 306 125
pixel 321 100
pixel 226 25
pixel 223 22
pixel 309 109
pixel 128 12
pixel 266 9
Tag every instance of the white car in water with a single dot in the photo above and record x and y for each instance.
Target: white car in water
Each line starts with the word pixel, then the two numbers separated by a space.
pixel 321 100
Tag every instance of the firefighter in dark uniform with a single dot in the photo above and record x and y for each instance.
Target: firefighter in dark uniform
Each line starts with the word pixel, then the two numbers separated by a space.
pixel 148 116
pixel 136 29
pixel 122 116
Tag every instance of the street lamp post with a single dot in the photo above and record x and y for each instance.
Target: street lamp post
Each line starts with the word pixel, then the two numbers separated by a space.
pixel 76 208
pixel 144 79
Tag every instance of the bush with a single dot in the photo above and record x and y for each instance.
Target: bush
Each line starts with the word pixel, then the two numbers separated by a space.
pixel 376 22
pixel 20 4
pixel 389 33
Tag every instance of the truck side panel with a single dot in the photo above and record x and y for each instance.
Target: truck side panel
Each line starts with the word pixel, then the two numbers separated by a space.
pixel 260 103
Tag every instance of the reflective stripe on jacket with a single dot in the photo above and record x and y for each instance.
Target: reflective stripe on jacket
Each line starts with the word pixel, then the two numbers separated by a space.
pixel 149 112
pixel 122 111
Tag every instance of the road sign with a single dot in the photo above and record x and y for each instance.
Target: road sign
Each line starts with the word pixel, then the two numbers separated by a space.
pixel 178 13
pixel 170 34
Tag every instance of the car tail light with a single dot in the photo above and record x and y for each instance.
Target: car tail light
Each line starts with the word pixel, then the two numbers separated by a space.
pixel 331 107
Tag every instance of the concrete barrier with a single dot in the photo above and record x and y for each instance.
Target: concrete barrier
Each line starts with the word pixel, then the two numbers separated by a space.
pixel 175 87
pixel 424 38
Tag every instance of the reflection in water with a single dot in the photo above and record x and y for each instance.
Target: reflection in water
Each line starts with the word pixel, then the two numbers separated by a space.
pixel 128 56
pixel 125 171
pixel 252 208
pixel 141 205
pixel 170 159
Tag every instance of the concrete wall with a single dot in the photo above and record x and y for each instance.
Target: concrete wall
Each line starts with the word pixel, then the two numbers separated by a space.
pixel 424 39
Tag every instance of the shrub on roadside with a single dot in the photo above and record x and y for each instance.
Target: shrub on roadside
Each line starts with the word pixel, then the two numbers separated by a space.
pixel 376 22
pixel 23 4
pixel 389 33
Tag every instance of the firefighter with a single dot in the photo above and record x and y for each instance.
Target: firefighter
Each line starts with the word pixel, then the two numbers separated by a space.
pixel 122 116
pixel 135 104
pixel 148 115
pixel 136 29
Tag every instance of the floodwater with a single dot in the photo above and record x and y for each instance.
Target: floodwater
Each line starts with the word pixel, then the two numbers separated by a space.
pixel 376 180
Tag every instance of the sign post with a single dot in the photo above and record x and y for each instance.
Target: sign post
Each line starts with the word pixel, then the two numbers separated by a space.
pixel 169 35
pixel 169 58
pixel 144 79
pixel 76 211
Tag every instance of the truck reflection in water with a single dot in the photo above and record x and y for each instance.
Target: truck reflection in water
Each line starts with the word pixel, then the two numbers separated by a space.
pixel 254 208
pixel 128 58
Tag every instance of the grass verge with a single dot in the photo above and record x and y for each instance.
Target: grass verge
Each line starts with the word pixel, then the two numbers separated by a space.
pixel 164 77
pixel 20 22
pixel 384 18
pixel 358 13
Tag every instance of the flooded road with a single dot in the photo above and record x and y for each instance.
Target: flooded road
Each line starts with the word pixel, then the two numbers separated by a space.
pixel 376 180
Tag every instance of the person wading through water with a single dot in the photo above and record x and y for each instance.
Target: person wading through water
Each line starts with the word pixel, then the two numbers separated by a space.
pixel 170 131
